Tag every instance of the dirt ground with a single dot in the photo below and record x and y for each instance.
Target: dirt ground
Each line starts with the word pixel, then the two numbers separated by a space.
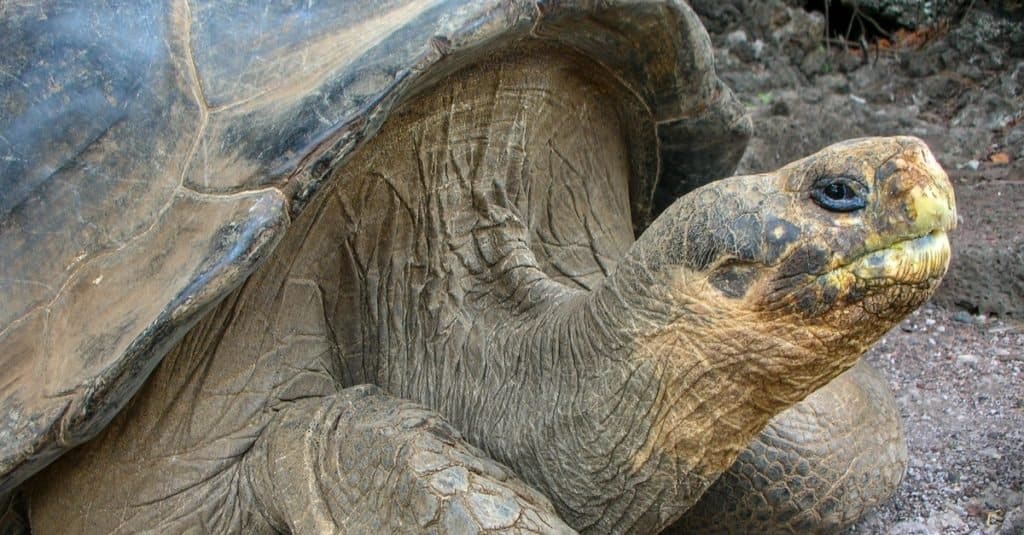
pixel 956 80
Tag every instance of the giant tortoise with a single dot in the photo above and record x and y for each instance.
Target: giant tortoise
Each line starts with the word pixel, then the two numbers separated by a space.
pixel 432 266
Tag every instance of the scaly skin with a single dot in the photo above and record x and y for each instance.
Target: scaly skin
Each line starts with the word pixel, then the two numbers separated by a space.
pixel 816 468
pixel 416 271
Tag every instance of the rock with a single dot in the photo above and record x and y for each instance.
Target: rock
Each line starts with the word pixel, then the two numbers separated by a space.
pixel 910 527
pixel 1015 137
pixel 908 13
pixel 986 274
pixel 780 107
pixel 814 63
pixel 919 64
pixel 973 165
pixel 742 47
pixel 946 522
pixel 733 39
pixel 942 87
pixel 1013 522
pixel 991 452
pixel 805 31
pixel 717 15
pixel 967 358
pixel 835 83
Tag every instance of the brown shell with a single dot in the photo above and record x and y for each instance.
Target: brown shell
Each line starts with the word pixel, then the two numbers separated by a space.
pixel 151 156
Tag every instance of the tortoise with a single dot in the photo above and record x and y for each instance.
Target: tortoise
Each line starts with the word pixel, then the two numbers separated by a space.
pixel 433 267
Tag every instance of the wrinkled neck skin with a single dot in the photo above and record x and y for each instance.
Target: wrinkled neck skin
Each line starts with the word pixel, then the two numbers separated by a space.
pixel 624 403
pixel 474 237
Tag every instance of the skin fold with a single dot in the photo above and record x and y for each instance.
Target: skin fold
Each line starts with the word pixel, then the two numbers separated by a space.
pixel 531 360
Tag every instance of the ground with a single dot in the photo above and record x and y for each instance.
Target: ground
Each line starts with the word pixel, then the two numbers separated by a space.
pixel 958 381
pixel 955 79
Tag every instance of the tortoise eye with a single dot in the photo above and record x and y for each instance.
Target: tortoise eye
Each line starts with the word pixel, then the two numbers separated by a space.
pixel 840 194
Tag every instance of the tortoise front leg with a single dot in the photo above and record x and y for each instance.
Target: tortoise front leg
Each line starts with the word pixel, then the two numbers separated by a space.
pixel 364 462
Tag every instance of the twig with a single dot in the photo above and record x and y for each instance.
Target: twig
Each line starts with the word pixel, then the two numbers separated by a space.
pixel 828 47
pixel 877 26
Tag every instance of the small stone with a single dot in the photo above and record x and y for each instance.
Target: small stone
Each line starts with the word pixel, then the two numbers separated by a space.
pixel 967 358
pixel 834 83
pixel 757 48
pixel 973 165
pixel 962 316
pixel 814 63
pixel 910 527
pixel 991 452
pixel 735 38
pixel 1013 522
pixel 946 522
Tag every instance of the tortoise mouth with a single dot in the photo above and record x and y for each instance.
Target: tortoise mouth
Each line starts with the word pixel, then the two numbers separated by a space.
pixel 912 261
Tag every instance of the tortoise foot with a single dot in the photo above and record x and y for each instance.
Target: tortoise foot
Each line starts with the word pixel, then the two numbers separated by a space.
pixel 365 462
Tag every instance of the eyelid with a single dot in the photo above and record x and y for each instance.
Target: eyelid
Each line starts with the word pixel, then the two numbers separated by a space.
pixel 821 182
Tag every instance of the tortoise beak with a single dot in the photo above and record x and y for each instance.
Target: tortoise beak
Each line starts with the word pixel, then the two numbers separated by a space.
pixel 921 209
pixel 927 193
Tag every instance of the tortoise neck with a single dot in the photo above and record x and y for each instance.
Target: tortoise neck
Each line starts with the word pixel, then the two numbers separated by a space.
pixel 643 381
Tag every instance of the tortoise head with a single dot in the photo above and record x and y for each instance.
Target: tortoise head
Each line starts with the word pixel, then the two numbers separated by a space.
pixel 832 249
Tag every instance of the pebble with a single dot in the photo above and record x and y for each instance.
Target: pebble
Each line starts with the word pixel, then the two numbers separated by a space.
pixel 990 452
pixel 967 358
pixel 973 165
pixel 1013 522
pixel 736 37
pixel 962 316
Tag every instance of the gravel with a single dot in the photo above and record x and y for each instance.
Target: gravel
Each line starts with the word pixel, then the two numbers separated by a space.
pixel 959 382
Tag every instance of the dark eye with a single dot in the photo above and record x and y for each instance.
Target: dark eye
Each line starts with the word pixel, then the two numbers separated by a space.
pixel 840 194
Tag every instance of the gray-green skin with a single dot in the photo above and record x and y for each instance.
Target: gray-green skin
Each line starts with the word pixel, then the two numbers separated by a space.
pixel 157 156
